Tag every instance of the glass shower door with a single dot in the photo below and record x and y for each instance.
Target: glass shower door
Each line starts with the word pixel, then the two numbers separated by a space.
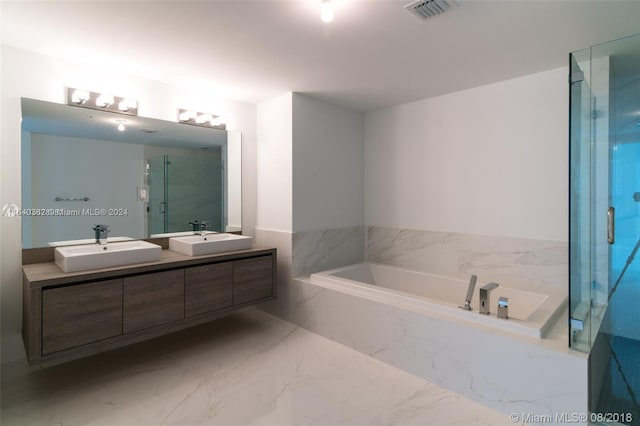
pixel 184 188
pixel 157 214
pixel 605 225
pixel 620 330
pixel 195 191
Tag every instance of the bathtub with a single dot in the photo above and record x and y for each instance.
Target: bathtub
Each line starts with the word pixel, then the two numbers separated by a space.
pixel 530 314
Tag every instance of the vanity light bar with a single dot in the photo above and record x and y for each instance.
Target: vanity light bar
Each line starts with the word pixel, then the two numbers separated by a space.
pixel 186 116
pixel 101 101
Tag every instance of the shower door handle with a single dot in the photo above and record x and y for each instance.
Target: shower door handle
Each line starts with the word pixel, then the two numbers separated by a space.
pixel 162 207
pixel 611 225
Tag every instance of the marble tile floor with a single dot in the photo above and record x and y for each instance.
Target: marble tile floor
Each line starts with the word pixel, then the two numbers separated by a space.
pixel 248 369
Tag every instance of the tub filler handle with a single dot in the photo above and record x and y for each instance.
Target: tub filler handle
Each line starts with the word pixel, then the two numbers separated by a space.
pixel 467 300
pixel 503 307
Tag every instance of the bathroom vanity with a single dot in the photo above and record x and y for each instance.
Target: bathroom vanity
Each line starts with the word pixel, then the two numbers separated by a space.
pixel 72 315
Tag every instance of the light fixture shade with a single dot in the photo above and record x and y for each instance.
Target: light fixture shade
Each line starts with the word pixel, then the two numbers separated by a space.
pixel 101 101
pixel 104 101
pixel 186 116
pixel 203 118
pixel 127 105
pixel 79 96
pixel 217 121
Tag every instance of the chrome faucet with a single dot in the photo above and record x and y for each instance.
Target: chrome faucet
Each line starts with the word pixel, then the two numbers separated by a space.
pixel 484 297
pixel 101 232
pixel 198 227
pixel 467 300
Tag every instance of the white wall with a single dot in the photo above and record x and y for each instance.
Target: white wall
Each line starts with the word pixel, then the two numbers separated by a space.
pixel 328 165
pixel 274 123
pixel 27 74
pixel 234 181
pixel 491 160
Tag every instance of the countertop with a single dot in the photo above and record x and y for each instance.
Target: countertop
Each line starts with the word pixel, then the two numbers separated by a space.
pixel 49 274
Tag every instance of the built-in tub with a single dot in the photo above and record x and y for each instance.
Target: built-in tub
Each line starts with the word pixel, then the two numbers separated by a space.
pixel 530 314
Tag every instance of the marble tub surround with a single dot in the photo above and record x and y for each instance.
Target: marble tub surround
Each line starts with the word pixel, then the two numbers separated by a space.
pixel 250 368
pixel 303 253
pixel 315 251
pixel 519 262
pixel 500 370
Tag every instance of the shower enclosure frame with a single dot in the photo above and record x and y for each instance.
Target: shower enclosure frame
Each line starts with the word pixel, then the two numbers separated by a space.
pixel 604 219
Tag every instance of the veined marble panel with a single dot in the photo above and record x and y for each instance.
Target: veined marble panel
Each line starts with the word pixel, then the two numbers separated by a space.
pixel 504 372
pixel 514 375
pixel 517 262
pixel 315 251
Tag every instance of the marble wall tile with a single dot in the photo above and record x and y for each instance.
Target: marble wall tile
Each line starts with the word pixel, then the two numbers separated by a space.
pixel 502 372
pixel 315 251
pixel 516 262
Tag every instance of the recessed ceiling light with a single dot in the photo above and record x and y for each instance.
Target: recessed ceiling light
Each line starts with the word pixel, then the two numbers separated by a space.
pixel 326 13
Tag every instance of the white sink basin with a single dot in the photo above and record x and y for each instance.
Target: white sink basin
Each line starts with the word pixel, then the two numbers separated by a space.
pixel 196 245
pixel 95 256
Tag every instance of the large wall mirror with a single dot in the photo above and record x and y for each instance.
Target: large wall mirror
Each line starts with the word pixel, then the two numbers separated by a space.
pixel 150 179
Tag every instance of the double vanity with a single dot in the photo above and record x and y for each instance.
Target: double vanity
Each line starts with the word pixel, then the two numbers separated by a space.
pixel 82 300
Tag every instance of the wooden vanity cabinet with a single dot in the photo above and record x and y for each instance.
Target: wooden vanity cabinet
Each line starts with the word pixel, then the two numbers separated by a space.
pixel 153 299
pixel 252 278
pixel 208 288
pixel 80 314
pixel 68 316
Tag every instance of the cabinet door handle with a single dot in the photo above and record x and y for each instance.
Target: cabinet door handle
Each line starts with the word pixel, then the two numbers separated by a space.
pixel 611 225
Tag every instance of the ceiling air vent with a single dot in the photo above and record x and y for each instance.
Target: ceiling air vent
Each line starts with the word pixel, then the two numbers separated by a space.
pixel 424 9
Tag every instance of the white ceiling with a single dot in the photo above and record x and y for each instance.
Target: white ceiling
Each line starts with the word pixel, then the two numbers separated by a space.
pixel 374 54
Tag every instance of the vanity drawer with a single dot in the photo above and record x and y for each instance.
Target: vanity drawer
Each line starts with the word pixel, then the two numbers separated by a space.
pixel 252 279
pixel 207 288
pixel 153 299
pixel 80 314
